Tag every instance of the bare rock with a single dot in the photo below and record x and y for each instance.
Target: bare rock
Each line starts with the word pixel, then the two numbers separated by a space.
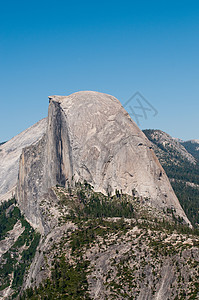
pixel 91 137
pixel 9 157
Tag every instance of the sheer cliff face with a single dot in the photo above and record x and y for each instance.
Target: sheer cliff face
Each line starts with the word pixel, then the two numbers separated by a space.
pixel 91 137
pixel 10 153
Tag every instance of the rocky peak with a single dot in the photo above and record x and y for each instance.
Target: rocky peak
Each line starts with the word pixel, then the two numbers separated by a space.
pixel 91 137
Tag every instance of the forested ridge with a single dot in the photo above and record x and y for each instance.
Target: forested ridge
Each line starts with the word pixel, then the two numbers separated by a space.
pixel 183 175
pixel 192 147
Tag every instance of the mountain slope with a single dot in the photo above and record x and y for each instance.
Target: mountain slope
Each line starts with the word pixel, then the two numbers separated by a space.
pixel 182 169
pixel 91 252
pixel 98 247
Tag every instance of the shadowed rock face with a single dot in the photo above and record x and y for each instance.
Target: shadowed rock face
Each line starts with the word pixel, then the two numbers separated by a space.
pixel 10 153
pixel 91 137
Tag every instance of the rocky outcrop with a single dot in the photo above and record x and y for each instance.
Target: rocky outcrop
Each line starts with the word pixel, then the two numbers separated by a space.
pixel 9 157
pixel 91 137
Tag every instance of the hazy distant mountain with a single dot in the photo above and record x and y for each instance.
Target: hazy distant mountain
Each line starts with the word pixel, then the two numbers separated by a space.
pixel 192 147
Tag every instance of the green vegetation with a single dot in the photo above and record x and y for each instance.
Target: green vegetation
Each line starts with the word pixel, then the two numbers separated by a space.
pixel 101 222
pixel 91 208
pixel 18 258
pixel 89 231
pixel 187 195
pixel 100 230
pixel 189 199
pixel 85 203
pixel 192 148
pixel 104 207
pixel 180 172
pixel 26 259
pixel 9 215
pixel 67 282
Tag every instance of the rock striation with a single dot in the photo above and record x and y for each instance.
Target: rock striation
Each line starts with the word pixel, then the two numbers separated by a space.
pixel 91 137
pixel 10 153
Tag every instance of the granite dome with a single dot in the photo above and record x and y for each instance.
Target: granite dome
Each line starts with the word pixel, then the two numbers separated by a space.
pixel 91 137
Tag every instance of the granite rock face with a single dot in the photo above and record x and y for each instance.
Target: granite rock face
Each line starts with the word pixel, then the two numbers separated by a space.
pixel 91 137
pixel 10 153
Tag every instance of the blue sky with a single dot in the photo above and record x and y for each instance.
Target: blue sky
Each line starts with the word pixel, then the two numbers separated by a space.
pixel 115 47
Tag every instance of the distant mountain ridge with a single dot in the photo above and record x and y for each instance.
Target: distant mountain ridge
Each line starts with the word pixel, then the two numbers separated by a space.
pixel 192 147
pixel 171 147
